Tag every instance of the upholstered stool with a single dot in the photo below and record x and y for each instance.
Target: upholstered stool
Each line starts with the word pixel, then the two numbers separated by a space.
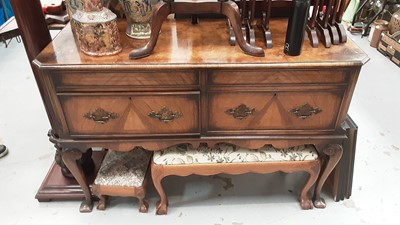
pixel 182 160
pixel 123 174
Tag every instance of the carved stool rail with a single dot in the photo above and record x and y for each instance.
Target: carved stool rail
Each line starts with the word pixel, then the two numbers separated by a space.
pixel 123 174
pixel 182 160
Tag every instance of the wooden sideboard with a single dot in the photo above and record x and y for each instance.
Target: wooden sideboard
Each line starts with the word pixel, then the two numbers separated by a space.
pixel 195 88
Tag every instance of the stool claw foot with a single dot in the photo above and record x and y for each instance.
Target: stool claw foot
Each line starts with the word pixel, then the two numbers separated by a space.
pixel 306 204
pixel 319 203
pixel 86 207
pixel 161 208
pixel 102 203
pixel 334 153
pixel 101 206
pixel 143 206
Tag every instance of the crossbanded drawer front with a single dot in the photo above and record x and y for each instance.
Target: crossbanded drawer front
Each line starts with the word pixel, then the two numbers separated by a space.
pixel 129 78
pixel 273 77
pixel 309 110
pixel 132 114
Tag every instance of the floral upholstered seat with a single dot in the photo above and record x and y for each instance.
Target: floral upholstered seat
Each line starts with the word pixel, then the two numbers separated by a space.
pixel 123 174
pixel 126 169
pixel 228 153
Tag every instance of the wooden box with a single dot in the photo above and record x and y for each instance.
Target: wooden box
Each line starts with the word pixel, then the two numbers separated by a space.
pixel 389 47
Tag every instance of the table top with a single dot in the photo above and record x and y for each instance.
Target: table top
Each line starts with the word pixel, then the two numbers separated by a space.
pixel 204 45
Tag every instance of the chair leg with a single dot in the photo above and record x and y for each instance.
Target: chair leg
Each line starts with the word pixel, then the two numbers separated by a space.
pixel 229 10
pixel 312 36
pixel 161 11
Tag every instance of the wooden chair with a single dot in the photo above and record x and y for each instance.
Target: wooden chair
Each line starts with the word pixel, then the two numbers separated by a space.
pixel 226 7
pixel 33 28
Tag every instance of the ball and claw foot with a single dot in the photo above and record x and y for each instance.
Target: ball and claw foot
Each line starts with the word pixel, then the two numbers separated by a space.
pixel 306 204
pixel 143 206
pixel 102 203
pixel 86 207
pixel 101 206
pixel 319 203
pixel 161 208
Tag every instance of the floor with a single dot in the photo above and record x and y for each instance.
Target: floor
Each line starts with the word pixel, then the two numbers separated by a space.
pixel 204 200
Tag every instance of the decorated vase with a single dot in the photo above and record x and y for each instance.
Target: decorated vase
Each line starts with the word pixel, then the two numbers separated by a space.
pixel 394 24
pixel 96 29
pixel 138 14
pixel 72 6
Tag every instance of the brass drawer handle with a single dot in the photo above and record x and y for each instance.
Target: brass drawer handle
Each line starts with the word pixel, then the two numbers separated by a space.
pixel 305 111
pixel 165 115
pixel 241 112
pixel 100 116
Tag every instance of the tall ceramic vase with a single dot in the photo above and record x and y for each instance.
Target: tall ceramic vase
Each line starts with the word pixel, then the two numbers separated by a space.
pixel 96 28
pixel 72 6
pixel 138 14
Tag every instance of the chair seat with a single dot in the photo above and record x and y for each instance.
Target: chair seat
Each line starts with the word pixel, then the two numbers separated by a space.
pixel 125 169
pixel 228 153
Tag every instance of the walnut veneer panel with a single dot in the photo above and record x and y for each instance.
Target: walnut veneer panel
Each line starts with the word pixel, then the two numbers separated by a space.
pixel 272 110
pixel 130 113
pixel 126 78
pixel 284 76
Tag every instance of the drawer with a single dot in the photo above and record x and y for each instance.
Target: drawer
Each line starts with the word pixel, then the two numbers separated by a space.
pixel 271 77
pixel 168 78
pixel 258 111
pixel 132 114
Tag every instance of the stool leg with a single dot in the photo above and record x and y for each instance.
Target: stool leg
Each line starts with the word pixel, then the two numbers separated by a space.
pixel 335 154
pixel 102 202
pixel 141 195
pixel 162 205
pixel 143 205
pixel 305 201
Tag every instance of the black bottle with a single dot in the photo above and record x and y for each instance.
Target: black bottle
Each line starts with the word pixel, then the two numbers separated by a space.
pixel 296 27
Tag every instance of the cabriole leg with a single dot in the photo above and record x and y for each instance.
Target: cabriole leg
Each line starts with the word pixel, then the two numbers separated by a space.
pixel 334 152
pixel 162 204
pixel 70 158
pixel 305 201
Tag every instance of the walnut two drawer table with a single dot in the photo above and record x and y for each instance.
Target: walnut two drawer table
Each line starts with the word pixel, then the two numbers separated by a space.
pixel 195 88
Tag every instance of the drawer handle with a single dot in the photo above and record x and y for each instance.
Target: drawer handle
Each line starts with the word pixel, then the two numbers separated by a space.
pixel 305 111
pixel 165 115
pixel 241 112
pixel 100 116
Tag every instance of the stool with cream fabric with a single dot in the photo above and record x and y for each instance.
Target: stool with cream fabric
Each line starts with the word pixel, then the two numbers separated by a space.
pixel 182 160
pixel 123 174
